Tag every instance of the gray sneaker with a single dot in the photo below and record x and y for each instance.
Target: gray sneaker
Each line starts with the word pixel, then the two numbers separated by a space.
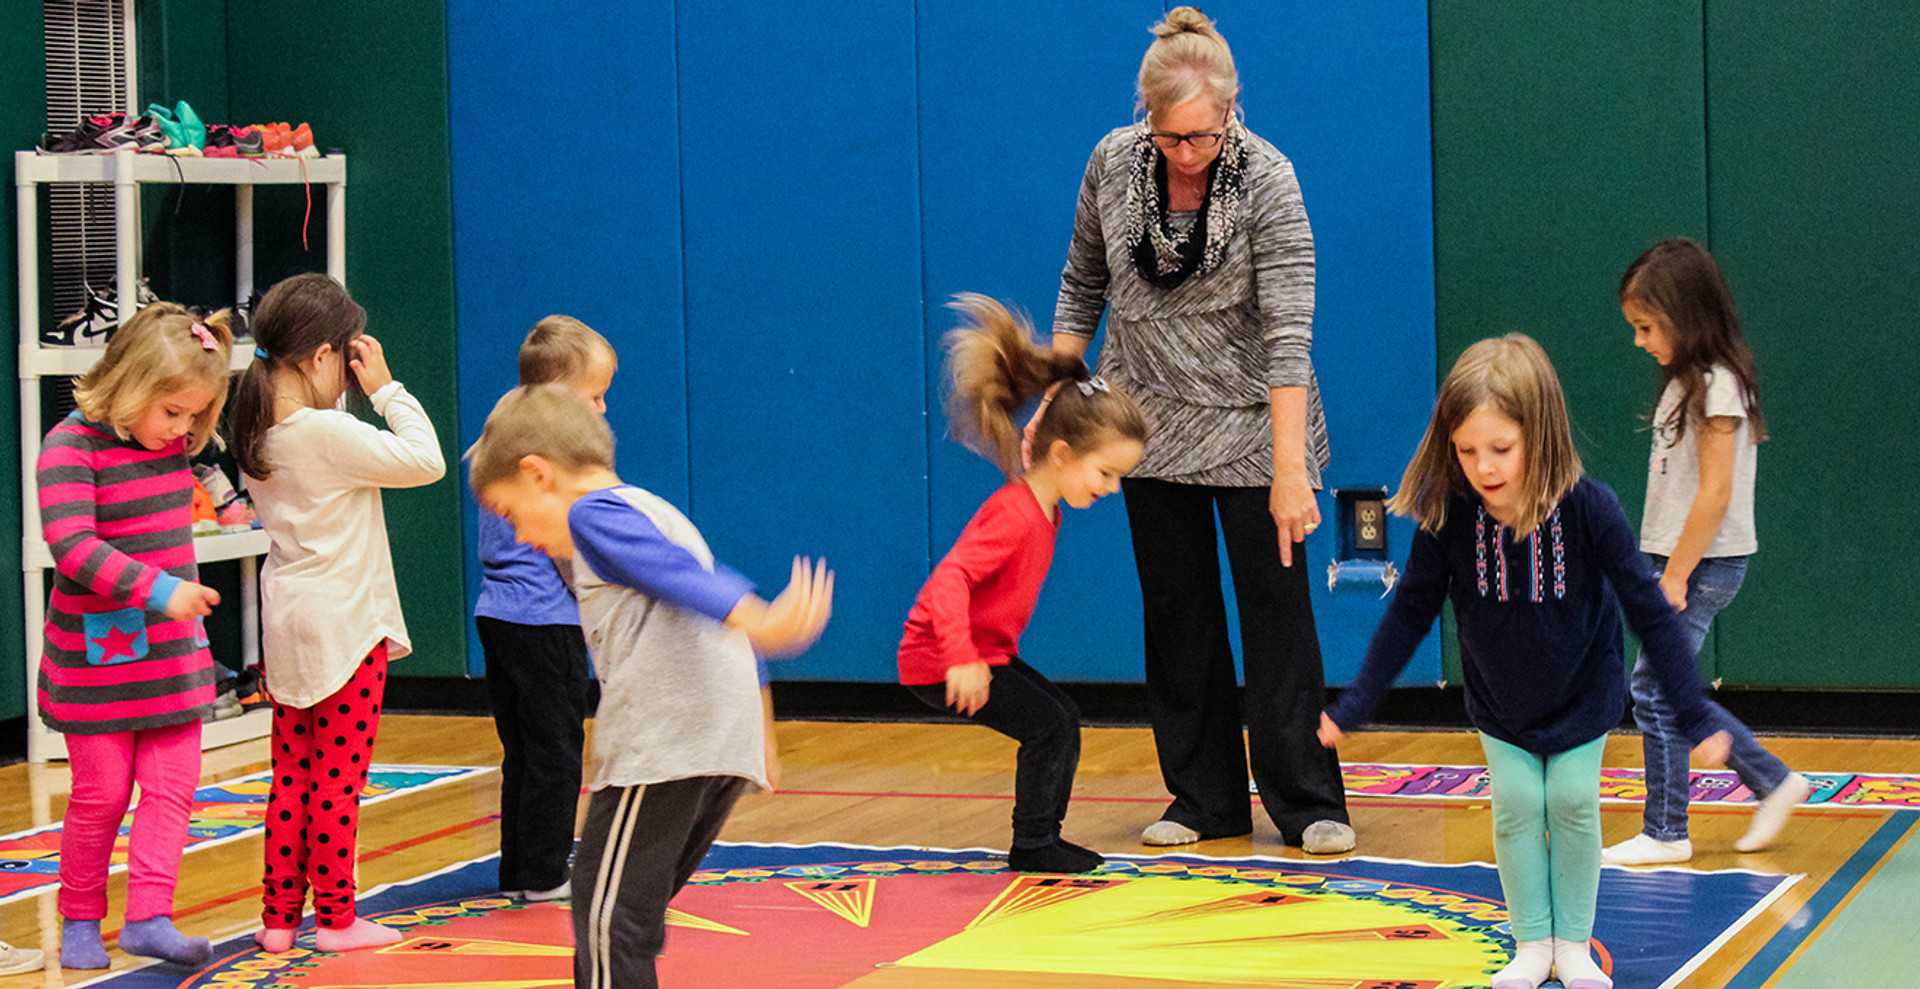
pixel 1327 838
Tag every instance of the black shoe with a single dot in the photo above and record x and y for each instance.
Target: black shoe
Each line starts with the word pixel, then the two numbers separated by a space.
pixel 1060 857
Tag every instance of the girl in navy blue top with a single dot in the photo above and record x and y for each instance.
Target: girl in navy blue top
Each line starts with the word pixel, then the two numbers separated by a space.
pixel 1539 562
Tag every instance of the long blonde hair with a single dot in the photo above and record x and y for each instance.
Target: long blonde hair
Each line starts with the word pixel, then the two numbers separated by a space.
pixel 156 354
pixel 994 366
pixel 1188 58
pixel 1513 375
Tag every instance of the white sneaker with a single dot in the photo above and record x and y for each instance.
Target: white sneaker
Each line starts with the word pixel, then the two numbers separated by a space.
pixel 1773 812
pixel 1168 833
pixel 560 892
pixel 1327 838
pixel 16 961
pixel 1643 849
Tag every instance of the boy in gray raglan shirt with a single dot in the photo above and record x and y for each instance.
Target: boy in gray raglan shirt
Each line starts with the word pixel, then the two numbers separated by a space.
pixel 676 639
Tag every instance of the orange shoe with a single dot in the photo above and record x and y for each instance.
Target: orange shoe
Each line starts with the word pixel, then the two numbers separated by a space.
pixel 302 144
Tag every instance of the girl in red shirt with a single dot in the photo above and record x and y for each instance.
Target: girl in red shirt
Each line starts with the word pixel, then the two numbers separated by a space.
pixel 960 652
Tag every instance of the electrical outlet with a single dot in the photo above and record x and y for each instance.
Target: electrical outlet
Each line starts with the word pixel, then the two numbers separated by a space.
pixel 1369 524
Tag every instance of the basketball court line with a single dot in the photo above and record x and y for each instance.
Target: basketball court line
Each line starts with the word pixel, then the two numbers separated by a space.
pixel 1786 947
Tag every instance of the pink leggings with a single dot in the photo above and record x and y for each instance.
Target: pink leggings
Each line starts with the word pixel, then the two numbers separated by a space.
pixel 166 764
pixel 320 760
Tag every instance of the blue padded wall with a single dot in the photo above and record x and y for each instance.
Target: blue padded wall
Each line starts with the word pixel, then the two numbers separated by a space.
pixel 805 373
pixel 770 233
pixel 1342 91
pixel 1002 153
pixel 566 195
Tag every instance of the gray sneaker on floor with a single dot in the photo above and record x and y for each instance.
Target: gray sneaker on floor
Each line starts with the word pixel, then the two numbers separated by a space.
pixel 1327 838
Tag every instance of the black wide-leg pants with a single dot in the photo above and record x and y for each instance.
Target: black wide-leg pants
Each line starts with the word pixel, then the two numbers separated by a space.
pixel 1195 709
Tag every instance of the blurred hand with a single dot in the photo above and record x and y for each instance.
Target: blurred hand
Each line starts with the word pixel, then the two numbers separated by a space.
pixel 369 363
pixel 1712 752
pixel 967 686
pixel 191 600
pixel 792 622
pixel 1330 733
pixel 1676 591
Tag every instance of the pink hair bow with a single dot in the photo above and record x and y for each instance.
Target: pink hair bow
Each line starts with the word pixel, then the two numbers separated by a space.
pixel 206 337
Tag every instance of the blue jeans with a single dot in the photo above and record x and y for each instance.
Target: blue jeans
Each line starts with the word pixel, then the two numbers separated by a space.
pixel 1710 588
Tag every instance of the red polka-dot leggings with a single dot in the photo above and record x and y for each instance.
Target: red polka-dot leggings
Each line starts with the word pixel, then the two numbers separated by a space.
pixel 320 760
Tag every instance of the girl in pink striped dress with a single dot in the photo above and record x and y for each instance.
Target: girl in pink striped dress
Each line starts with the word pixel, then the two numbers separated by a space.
pixel 125 672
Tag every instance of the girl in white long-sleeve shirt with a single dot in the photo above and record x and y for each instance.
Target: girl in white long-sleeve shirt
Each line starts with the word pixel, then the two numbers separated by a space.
pixel 331 613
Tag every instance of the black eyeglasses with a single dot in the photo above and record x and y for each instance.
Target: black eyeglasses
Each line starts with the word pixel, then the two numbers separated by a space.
pixel 1201 141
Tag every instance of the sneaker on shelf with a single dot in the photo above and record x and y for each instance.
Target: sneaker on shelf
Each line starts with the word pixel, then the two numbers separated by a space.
pixel 248 141
pixel 302 144
pixel 100 133
pixel 99 317
pixel 171 133
pixel 196 132
pixel 250 688
pixel 274 137
pixel 220 143
pixel 148 137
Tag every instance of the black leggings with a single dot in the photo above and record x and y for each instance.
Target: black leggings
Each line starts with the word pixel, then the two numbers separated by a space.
pixel 1026 707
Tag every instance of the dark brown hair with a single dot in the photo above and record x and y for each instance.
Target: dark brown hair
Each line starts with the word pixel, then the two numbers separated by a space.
pixel 1682 286
pixel 994 366
pixel 1513 375
pixel 296 318
pixel 561 349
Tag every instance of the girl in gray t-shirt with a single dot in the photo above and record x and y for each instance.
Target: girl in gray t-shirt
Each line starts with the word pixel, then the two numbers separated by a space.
pixel 1698 528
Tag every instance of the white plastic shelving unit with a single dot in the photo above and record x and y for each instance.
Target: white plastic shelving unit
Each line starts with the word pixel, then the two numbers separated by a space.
pixel 126 171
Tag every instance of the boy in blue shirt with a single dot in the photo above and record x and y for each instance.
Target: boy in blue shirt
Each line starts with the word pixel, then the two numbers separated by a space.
pixel 537 667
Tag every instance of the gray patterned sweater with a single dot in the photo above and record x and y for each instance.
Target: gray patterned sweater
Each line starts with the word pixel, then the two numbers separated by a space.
pixel 1200 358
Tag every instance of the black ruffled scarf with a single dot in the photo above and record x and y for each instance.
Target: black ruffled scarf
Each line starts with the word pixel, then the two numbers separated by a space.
pixel 1163 255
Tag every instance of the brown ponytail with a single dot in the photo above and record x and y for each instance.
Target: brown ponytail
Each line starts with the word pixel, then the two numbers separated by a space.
pixel 994 366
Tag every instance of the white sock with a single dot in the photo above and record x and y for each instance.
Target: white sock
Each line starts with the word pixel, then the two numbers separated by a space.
pixel 1573 962
pixel 1532 961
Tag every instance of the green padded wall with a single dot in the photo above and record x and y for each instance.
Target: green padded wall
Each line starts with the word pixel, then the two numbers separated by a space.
pixel 1814 117
pixel 1565 143
pixel 372 81
pixel 23 112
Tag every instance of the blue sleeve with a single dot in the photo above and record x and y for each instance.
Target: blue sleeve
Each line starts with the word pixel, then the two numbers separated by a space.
pixel 1669 653
pixel 495 538
pixel 624 547
pixel 1416 603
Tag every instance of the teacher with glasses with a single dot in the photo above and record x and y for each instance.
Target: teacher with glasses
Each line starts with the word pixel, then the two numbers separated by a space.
pixel 1191 237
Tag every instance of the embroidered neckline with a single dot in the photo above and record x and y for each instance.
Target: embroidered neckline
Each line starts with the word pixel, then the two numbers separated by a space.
pixel 1536 587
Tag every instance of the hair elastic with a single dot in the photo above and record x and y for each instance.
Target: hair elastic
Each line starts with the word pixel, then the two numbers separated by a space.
pixel 206 338
pixel 261 352
pixel 1088 386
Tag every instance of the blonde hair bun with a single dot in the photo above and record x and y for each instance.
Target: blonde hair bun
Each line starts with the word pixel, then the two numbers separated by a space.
pixel 1186 20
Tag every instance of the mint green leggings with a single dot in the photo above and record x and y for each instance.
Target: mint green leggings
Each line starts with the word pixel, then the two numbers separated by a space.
pixel 1551 887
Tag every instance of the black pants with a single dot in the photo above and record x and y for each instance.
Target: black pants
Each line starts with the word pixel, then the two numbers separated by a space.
pixel 638 848
pixel 1028 708
pixel 1190 675
pixel 537 683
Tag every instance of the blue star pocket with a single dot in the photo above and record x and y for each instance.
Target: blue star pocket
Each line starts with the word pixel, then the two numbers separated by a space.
pixel 116 636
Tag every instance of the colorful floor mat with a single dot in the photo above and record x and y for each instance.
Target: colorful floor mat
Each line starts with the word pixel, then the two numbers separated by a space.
pixel 30 860
pixel 1889 790
pixel 820 916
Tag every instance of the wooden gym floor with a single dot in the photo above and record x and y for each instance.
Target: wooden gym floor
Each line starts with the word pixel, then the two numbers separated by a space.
pixel 950 785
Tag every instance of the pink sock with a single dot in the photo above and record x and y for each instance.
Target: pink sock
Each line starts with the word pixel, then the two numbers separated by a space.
pixel 274 940
pixel 363 934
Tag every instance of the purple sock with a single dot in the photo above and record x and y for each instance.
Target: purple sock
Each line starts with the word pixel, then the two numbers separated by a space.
pixel 156 937
pixel 80 945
